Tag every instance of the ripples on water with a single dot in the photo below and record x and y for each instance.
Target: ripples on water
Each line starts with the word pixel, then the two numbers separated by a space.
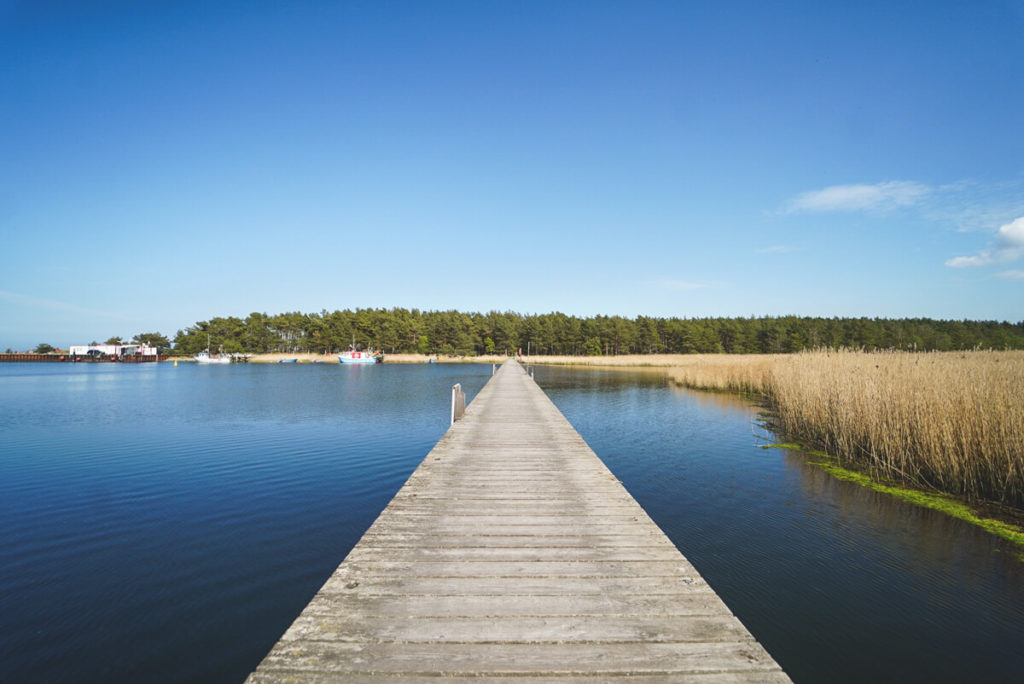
pixel 167 524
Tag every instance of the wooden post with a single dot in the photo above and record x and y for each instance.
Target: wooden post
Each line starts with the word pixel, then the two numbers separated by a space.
pixel 458 402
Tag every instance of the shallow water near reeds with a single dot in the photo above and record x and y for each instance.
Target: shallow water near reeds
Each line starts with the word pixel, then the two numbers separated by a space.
pixel 167 523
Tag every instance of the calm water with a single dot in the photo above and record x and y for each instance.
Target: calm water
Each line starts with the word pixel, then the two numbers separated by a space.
pixel 839 583
pixel 167 524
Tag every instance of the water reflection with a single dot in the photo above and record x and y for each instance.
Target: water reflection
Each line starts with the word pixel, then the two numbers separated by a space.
pixel 167 523
pixel 926 537
pixel 840 583
pixel 720 401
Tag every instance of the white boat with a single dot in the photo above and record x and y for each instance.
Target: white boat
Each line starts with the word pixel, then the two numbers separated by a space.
pixel 204 357
pixel 353 356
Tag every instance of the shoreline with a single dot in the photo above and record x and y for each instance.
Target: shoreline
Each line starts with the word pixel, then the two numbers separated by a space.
pixel 623 361
pixel 310 357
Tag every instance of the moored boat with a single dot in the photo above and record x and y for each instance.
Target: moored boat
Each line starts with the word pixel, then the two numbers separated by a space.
pixel 204 357
pixel 353 356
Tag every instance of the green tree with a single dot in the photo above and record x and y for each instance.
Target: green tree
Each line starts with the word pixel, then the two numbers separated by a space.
pixel 592 347
pixel 44 348
pixel 257 336
pixel 315 333
pixel 153 339
pixel 648 336
pixel 408 330
pixel 504 328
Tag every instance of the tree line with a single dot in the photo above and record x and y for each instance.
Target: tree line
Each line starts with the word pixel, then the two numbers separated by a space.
pixel 453 332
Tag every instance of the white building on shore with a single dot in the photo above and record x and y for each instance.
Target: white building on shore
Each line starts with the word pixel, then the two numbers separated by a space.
pixel 115 350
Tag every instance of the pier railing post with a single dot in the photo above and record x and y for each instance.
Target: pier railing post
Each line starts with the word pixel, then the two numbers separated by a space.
pixel 458 402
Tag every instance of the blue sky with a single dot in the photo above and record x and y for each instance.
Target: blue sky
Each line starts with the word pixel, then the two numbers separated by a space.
pixel 165 162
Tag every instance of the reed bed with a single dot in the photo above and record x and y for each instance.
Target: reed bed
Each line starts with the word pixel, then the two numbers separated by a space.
pixel 624 360
pixel 948 421
pixel 747 373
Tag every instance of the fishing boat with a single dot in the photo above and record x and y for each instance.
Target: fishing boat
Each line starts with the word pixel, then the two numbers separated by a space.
pixel 204 357
pixel 353 356
pixel 287 360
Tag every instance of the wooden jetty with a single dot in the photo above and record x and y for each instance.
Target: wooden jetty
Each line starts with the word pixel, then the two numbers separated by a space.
pixel 68 358
pixel 512 553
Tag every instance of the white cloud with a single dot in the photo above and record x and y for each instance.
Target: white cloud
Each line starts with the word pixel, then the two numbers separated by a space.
pixel 888 195
pixel 983 259
pixel 1013 274
pixel 1012 234
pixel 1008 246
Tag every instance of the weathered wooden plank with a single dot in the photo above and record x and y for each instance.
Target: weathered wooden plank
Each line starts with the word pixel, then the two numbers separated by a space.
pixel 477 508
pixel 512 605
pixel 550 496
pixel 440 525
pixel 405 540
pixel 554 505
pixel 512 553
pixel 537 553
pixel 571 568
pixel 443 659
pixel 456 473
pixel 486 520
pixel 368 584
pixel 599 629
pixel 539 470
pixel 744 677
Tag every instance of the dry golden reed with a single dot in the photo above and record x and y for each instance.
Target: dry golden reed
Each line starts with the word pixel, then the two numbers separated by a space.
pixel 950 421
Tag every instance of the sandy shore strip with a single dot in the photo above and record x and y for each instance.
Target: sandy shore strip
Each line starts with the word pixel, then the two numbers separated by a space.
pixel 305 357
pixel 630 361
pixel 624 361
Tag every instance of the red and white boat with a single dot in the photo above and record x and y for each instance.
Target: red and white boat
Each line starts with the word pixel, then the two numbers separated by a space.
pixel 353 356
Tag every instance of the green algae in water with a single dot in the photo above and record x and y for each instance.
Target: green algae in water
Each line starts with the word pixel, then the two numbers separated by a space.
pixel 939 502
